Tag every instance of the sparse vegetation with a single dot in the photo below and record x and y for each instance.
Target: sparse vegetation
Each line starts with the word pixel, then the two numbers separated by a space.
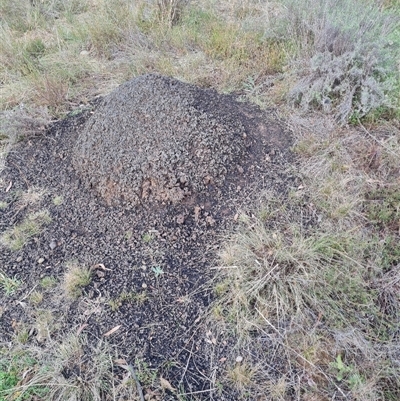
pixel 308 286
pixel 127 297
pixel 316 290
pixel 36 297
pixel 48 282
pixel 20 234
pixel 66 370
pixel 76 278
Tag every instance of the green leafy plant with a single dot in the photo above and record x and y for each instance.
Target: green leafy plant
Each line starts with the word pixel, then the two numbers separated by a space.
pixel 157 270
pixel 147 237
pixel 345 53
pixel 8 380
pixel 346 373
pixel 342 370
pixel 58 200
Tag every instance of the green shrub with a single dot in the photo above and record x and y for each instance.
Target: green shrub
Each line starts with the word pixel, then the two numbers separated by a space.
pixel 345 54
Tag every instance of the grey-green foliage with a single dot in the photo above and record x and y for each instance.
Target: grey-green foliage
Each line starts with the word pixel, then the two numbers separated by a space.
pixel 346 54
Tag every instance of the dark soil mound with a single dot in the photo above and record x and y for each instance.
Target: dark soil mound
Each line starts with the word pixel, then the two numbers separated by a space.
pixel 158 285
pixel 158 138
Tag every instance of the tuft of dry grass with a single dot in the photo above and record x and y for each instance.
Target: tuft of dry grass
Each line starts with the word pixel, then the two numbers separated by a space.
pixel 73 369
pixel 75 279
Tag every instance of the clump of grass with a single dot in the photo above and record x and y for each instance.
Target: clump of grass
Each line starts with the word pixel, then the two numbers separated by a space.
pixel 8 379
pixel 20 123
pixel 276 271
pixel 316 275
pixel 346 55
pixel 241 375
pixel 48 282
pixel 30 197
pixel 127 297
pixel 36 298
pixel 58 200
pixel 45 324
pixel 281 278
pixel 76 278
pixel 383 208
pixel 20 234
pixel 9 284
pixel 70 370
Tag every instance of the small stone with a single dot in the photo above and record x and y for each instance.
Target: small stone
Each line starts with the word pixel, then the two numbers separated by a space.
pixel 40 261
pixel 144 285
pixel 239 359
pixel 19 259
pixel 52 244
pixel 210 221
pixel 180 219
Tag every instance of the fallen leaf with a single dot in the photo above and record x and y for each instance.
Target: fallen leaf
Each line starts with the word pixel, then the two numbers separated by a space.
pixel 166 385
pixel 197 211
pixel 100 266
pixel 112 331
pixel 120 361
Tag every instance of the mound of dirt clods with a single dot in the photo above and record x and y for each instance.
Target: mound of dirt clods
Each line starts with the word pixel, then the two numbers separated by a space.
pixel 156 138
pixel 139 188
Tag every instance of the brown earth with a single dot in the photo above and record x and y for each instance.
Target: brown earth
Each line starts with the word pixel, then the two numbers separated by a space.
pixel 164 249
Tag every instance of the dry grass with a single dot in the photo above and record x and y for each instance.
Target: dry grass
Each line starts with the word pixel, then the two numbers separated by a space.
pixel 75 279
pixel 325 292
pixel 73 369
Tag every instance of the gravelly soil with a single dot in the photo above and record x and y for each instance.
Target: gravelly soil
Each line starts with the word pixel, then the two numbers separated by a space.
pixel 163 250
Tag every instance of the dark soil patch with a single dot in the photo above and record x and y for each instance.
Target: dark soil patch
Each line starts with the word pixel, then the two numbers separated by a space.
pixel 162 250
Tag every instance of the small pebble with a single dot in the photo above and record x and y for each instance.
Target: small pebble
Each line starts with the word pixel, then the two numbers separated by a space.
pixel 239 359
pixel 52 244
pixel 40 261
pixel 19 259
pixel 144 285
